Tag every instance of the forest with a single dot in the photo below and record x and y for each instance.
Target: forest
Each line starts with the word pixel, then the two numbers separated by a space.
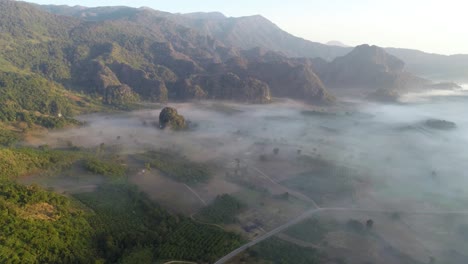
pixel 176 166
pixel 115 223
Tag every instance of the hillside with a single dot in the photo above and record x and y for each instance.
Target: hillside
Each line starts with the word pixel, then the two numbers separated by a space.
pixel 257 31
pixel 434 66
pixel 29 60
pixel 367 67
pixel 243 32
pixel 123 55
pixel 370 72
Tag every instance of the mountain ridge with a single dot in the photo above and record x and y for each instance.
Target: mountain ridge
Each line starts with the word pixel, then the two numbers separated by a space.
pixel 131 53
pixel 121 55
pixel 231 32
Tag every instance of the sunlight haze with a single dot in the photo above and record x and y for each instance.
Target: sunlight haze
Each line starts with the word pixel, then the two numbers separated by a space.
pixel 440 26
pixel 299 131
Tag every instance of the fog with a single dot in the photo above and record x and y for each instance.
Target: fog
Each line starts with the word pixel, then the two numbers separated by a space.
pixel 388 141
pixel 401 164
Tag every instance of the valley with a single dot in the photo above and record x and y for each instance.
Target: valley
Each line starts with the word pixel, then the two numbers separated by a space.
pixel 133 135
pixel 323 170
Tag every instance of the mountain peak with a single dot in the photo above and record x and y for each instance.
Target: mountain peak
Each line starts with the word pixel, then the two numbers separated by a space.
pixel 367 54
pixel 206 15
pixel 337 44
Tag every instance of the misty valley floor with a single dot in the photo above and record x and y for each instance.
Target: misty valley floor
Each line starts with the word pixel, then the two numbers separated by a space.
pixel 276 161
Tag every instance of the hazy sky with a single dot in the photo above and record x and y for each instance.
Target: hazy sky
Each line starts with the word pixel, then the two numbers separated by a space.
pixel 439 26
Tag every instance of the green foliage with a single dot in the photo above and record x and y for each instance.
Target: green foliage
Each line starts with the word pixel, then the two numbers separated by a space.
pixel 223 210
pixel 31 93
pixel 127 224
pixel 37 226
pixel 106 168
pixel 16 162
pixel 123 220
pixel 138 256
pixel 281 252
pixel 201 243
pixel 162 57
pixel 7 137
pixel 177 167
pixel 120 95
pixel 34 100
pixel 170 118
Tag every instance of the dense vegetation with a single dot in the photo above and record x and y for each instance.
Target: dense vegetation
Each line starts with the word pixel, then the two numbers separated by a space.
pixel 28 100
pixel 37 226
pixel 123 225
pixel 170 118
pixel 105 167
pixel 177 167
pixel 222 210
pixel 200 243
pixel 33 100
pixel 126 224
pixel 8 137
pixel 280 252
pixel 135 54
pixel 16 162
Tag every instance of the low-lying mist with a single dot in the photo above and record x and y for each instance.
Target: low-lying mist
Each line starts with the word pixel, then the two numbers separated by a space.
pixel 391 142
pixel 388 162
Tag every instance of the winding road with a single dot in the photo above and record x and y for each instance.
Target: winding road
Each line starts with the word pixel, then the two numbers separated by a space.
pixel 313 211
pixel 273 232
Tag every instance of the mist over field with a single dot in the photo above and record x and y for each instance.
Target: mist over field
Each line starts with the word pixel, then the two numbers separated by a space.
pixel 388 141
pixel 385 159
pixel 380 161
pixel 133 135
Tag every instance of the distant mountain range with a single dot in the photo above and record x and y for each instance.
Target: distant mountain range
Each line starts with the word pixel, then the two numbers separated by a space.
pixel 337 43
pixel 123 55
pixel 257 31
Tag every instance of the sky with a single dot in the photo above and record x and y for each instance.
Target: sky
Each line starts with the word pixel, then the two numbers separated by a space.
pixel 436 26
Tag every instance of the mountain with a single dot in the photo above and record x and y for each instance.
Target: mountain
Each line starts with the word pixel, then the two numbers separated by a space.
pixel 434 66
pixel 244 32
pixel 28 63
pixel 367 68
pixel 122 55
pixel 125 54
pixel 337 43
pixel 257 31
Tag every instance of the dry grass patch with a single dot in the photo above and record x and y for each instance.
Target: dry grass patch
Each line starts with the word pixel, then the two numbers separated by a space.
pixel 39 211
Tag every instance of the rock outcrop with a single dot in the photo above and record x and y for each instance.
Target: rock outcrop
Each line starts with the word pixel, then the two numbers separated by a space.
pixel 169 118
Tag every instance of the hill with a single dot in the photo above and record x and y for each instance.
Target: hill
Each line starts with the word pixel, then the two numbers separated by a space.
pixel 257 31
pixel 244 32
pixel 434 66
pixel 122 54
pixel 29 61
pixel 367 67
